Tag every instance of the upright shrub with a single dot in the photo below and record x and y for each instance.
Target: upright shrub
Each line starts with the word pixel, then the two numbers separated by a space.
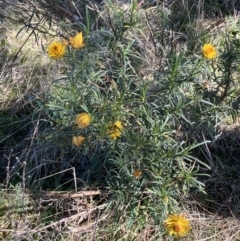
pixel 108 124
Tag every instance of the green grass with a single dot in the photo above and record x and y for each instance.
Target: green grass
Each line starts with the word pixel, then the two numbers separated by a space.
pixel 141 65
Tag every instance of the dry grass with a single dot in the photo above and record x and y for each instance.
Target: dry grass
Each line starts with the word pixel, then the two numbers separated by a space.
pixel 25 68
pixel 208 226
pixel 50 214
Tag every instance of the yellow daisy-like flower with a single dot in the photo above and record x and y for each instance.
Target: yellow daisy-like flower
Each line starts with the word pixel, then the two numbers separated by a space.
pixel 83 120
pixel 209 51
pixel 177 225
pixel 114 130
pixel 77 140
pixel 77 41
pixel 56 50
pixel 137 173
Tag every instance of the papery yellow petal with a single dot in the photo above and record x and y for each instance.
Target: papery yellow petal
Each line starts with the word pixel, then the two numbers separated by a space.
pixel 114 130
pixel 77 140
pixel 209 51
pixel 56 50
pixel 177 225
pixel 83 120
pixel 77 41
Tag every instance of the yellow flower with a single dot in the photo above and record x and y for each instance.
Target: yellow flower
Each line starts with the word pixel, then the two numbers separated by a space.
pixel 77 41
pixel 77 140
pixel 209 51
pixel 114 130
pixel 177 225
pixel 83 120
pixel 56 50
pixel 137 173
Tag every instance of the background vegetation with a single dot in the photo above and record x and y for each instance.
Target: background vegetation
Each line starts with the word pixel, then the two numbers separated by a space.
pixel 142 65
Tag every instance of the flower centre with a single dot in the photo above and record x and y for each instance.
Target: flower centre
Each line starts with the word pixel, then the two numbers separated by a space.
pixel 177 228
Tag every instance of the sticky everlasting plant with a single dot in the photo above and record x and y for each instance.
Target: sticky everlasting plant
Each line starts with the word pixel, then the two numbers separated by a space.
pixel 131 130
pixel 77 41
pixel 83 120
pixel 114 130
pixel 209 51
pixel 125 111
pixel 177 225
pixel 77 140
pixel 56 50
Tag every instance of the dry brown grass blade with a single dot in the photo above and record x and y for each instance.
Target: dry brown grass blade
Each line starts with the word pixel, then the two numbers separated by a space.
pixel 81 194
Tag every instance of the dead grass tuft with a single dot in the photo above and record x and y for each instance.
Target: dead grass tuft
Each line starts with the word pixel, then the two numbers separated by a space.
pixel 28 215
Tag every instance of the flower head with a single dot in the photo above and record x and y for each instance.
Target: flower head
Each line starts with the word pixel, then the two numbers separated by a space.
pixel 177 225
pixel 77 140
pixel 83 120
pixel 77 41
pixel 209 51
pixel 56 50
pixel 114 130
pixel 137 173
